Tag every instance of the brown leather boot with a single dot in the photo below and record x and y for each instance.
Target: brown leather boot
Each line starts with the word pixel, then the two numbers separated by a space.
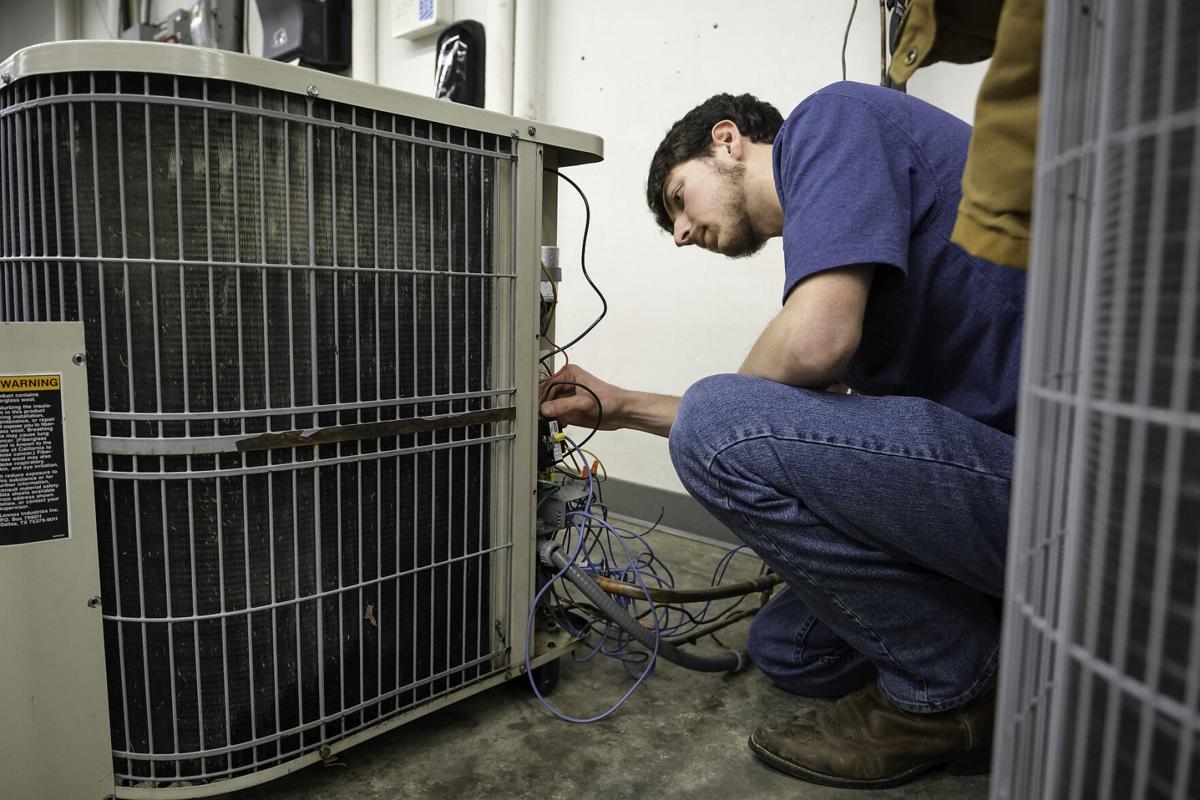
pixel 864 742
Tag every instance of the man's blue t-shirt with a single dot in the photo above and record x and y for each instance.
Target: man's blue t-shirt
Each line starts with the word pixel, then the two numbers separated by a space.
pixel 868 175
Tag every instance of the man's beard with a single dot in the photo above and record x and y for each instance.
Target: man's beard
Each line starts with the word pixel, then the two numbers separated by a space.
pixel 738 238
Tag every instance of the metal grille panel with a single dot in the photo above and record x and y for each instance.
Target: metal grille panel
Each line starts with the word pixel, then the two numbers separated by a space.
pixel 1100 683
pixel 300 375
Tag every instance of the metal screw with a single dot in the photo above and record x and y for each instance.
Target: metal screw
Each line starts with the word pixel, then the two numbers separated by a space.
pixel 79 359
pixel 7 78
pixel 93 602
pixel 910 56
pixel 312 90
pixel 551 644
pixel 516 134
pixel 325 752
pixel 532 130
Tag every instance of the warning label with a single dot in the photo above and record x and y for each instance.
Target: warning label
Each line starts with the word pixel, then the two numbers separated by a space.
pixel 33 479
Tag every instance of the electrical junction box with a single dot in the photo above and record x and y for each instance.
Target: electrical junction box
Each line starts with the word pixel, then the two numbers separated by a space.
pixel 55 741
pixel 412 19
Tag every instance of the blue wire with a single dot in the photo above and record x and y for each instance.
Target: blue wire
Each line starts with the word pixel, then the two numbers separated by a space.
pixel 529 667
pixel 594 541
pixel 620 654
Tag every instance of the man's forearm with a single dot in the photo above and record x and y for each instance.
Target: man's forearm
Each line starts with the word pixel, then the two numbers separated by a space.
pixel 649 412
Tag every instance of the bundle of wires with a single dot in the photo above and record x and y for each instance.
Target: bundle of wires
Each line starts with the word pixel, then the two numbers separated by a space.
pixel 604 550
pixel 607 551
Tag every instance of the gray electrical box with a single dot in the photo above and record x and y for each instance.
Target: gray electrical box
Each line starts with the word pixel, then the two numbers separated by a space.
pixel 54 742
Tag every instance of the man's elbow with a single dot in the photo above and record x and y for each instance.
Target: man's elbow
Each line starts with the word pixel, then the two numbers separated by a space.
pixel 820 364
pixel 803 357
pixel 812 373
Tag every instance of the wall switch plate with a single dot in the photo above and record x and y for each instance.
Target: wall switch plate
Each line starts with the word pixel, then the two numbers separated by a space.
pixel 412 19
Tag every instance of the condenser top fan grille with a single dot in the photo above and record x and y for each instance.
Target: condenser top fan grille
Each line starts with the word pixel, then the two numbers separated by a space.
pixel 299 316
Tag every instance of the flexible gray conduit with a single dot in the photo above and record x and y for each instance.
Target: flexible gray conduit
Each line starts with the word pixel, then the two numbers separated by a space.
pixel 552 555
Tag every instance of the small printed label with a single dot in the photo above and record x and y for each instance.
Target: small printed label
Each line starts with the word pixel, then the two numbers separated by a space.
pixel 29 383
pixel 33 476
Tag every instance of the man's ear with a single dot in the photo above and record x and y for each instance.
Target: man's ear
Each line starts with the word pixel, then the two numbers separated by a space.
pixel 728 139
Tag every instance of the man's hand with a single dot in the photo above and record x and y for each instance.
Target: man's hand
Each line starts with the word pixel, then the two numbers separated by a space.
pixel 563 397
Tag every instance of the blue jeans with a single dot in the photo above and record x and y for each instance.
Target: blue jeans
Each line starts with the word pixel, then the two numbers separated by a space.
pixel 887 517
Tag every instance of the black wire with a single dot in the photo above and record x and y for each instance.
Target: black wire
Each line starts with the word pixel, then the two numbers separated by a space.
pixel 662 510
pixel 599 409
pixel 846 37
pixel 587 224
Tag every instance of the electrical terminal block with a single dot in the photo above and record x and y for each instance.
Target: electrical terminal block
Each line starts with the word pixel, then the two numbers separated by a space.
pixel 549 448
pixel 556 440
pixel 554 503
pixel 552 514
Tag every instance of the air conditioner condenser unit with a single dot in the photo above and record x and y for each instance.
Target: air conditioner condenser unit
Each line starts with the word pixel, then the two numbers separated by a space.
pixel 309 311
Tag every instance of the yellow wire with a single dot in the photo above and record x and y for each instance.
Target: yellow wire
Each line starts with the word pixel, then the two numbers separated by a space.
pixel 578 473
pixel 553 285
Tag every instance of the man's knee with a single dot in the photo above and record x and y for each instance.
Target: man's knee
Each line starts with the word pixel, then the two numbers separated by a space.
pixel 721 409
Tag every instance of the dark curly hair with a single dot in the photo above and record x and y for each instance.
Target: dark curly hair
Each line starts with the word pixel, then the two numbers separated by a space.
pixel 691 137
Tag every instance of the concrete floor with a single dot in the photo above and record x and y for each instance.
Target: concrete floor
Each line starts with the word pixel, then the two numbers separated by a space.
pixel 681 735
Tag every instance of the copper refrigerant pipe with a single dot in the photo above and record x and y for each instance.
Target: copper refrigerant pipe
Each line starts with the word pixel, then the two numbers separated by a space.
pixel 760 584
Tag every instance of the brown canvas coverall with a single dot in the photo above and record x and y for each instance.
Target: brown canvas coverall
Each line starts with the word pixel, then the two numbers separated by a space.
pixel 997 199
